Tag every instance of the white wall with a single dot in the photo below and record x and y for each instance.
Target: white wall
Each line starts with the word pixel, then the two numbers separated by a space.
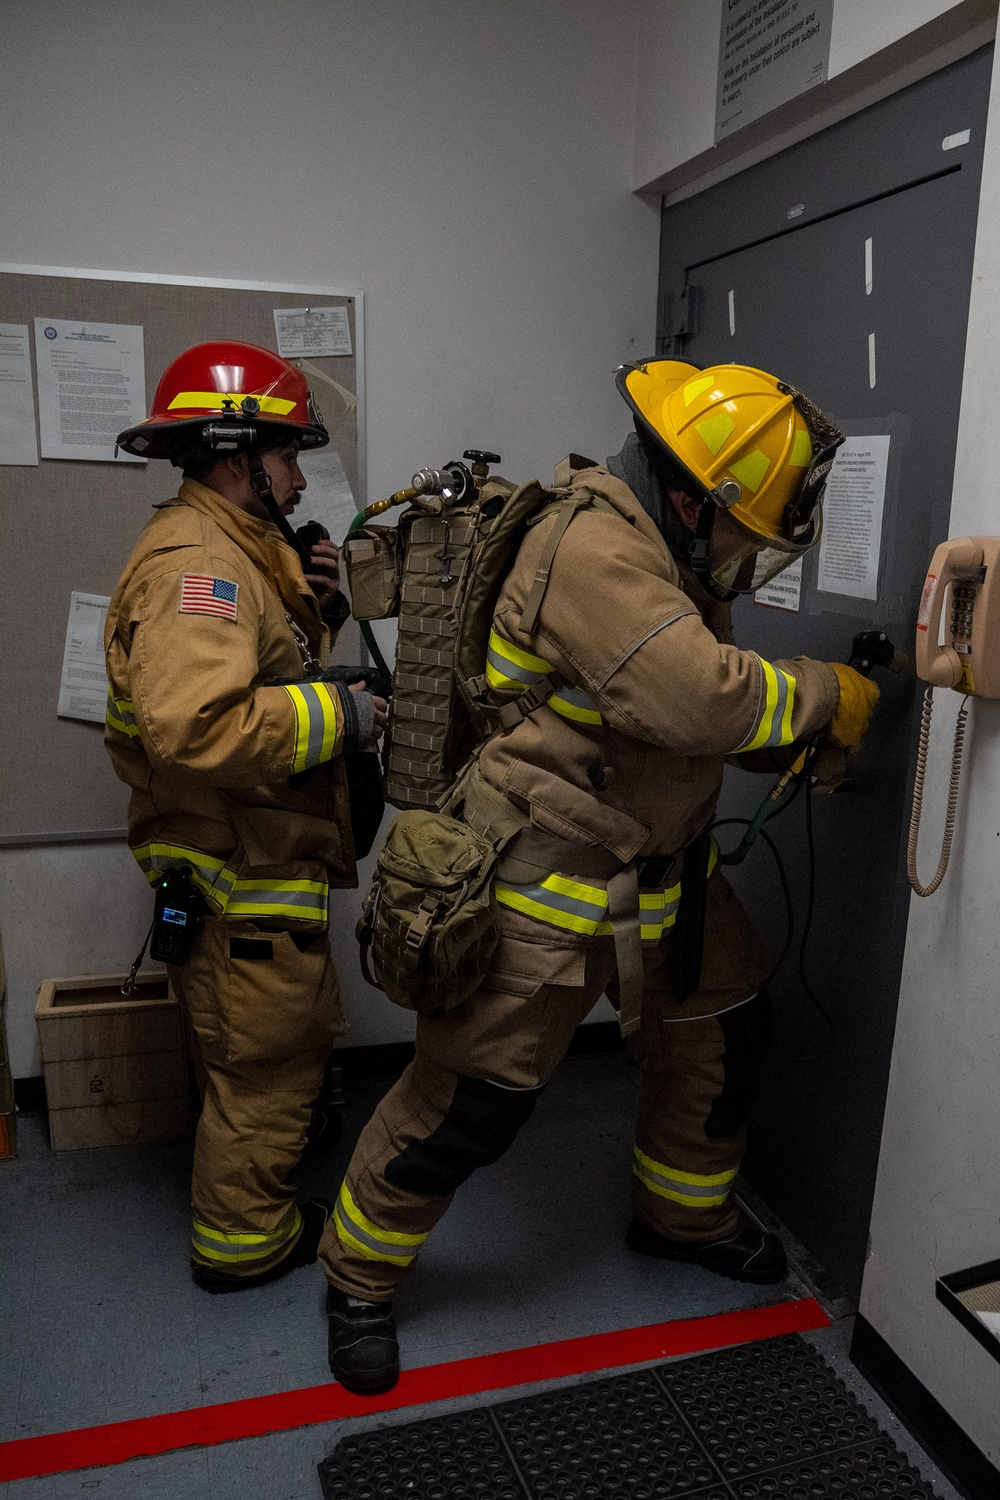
pixel 678 64
pixel 466 162
pixel 937 1202
pixel 863 27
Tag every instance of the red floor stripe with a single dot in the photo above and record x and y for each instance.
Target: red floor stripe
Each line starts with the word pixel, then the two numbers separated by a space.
pixel 206 1426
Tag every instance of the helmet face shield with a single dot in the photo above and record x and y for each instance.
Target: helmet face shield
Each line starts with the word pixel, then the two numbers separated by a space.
pixel 751 560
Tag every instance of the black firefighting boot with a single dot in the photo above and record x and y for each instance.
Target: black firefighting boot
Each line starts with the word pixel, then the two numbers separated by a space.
pixel 748 1254
pixel 315 1213
pixel 364 1354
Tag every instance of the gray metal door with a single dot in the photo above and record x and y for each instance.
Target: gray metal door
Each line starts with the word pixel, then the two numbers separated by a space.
pixel 843 266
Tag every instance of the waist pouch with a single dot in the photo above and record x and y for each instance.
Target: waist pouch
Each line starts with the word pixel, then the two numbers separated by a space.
pixel 429 917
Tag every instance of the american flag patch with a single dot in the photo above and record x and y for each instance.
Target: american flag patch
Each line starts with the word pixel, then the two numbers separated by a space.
pixel 208 596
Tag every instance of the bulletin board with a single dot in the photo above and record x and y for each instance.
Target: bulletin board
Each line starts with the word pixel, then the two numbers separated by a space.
pixel 69 525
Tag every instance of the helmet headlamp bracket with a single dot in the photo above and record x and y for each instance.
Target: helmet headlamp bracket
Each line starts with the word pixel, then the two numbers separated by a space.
pixel 228 436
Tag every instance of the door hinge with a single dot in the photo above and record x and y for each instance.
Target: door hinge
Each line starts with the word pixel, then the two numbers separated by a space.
pixel 680 318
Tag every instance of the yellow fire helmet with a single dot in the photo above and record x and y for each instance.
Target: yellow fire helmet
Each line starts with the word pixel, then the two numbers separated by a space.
pixel 745 443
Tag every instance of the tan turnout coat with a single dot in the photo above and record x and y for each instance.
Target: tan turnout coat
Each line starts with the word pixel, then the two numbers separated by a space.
pixel 653 653
pixel 241 781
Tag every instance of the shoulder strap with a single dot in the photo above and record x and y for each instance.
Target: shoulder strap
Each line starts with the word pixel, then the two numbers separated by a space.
pixel 565 509
pixel 572 464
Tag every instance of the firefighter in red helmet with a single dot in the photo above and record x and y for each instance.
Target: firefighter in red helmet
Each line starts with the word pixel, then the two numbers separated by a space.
pixel 230 733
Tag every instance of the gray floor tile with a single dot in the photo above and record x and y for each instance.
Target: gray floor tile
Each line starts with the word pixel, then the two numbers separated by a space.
pixel 281 1466
pixel 119 1356
pixel 171 1476
pixel 270 1339
pixel 12 1356
pixel 18 1257
pixel 457 1298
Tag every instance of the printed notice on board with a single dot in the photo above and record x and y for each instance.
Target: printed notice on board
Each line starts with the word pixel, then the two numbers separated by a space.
pixel 852 518
pixel 17 400
pixel 328 497
pixel 83 687
pixel 784 591
pixel 769 51
pixel 312 332
pixel 91 385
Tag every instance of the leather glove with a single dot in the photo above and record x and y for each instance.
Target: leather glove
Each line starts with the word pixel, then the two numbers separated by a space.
pixel 858 697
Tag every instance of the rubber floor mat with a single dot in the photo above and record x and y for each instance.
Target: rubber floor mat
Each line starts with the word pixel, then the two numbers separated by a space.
pixel 766 1421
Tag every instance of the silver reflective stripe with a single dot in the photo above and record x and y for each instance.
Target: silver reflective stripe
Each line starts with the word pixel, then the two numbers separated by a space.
pixel 382 1248
pixel 511 669
pixel 120 715
pixel 317 725
pixel 674 1184
pixel 164 856
pixel 261 898
pixel 657 916
pixel 216 1244
pixel 235 1251
pixel 590 911
pixel 576 697
pixel 775 736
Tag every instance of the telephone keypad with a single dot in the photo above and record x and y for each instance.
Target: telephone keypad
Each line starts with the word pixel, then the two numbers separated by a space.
pixel 963 600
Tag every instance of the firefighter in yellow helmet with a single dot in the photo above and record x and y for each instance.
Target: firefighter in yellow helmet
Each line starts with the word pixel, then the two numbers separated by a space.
pixel 614 886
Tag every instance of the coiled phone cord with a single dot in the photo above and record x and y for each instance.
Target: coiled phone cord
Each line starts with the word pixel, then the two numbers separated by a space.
pixel 918 795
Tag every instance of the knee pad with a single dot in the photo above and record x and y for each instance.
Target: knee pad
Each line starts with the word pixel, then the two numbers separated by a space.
pixel 482 1121
pixel 747 1030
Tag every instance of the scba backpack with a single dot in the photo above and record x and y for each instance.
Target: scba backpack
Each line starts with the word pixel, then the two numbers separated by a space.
pixel 429 916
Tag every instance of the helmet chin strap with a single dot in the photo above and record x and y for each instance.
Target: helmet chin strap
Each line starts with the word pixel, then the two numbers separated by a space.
pixel 699 554
pixel 262 488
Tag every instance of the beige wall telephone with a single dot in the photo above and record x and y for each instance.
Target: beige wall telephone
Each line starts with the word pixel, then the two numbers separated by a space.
pixel 962 587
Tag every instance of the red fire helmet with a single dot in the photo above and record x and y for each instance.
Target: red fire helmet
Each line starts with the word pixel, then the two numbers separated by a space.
pixel 224 382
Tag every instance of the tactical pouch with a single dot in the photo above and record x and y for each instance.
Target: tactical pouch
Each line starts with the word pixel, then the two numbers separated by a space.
pixel 429 916
pixel 374 568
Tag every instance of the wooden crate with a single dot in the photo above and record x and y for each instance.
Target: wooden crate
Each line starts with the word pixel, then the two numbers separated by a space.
pixel 115 1070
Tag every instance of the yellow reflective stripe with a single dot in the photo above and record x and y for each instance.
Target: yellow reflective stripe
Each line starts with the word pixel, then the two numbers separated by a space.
pixel 576 906
pixel 751 470
pixel 561 705
pixel 714 430
pixel 368 1239
pixel 306 900
pixel 663 905
pixel 500 680
pixel 694 1179
pixel 120 715
pixel 210 875
pixel 542 912
pixel 316 719
pixel 237 1249
pixel 234 896
pixel 226 401
pixel 801 455
pixel 517 656
pixel 694 388
pixel 774 727
pixel 509 669
pixel 693 1189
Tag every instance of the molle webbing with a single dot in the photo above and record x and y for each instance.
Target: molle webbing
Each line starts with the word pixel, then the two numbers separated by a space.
pixel 451 561
pixel 418 773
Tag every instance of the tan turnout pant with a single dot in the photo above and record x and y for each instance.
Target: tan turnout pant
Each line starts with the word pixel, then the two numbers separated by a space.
pixel 479 1069
pixel 264 1007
